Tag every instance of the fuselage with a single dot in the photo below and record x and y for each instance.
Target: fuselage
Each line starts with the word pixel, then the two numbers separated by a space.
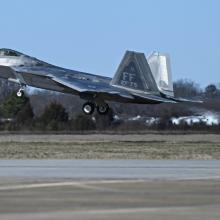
pixel 26 64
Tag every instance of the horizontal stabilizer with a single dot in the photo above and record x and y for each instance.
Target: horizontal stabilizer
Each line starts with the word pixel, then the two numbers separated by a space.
pixel 153 98
pixel 187 100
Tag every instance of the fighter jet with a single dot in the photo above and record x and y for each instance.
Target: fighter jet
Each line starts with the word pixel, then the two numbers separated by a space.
pixel 137 80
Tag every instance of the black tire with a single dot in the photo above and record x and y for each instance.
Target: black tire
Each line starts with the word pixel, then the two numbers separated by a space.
pixel 103 109
pixel 88 108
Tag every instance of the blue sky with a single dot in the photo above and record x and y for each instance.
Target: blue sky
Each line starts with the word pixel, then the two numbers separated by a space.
pixel 92 35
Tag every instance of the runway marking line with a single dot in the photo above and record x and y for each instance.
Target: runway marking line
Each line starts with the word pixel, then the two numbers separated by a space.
pixel 80 184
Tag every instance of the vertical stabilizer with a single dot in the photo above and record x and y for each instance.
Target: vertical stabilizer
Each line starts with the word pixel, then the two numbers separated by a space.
pixel 134 73
pixel 161 70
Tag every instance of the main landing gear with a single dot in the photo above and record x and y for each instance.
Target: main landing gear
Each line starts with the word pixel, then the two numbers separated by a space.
pixel 102 109
pixel 89 107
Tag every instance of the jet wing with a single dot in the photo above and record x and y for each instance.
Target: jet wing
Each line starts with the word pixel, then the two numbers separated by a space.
pixel 90 87
pixel 107 90
pixel 65 83
pixel 69 84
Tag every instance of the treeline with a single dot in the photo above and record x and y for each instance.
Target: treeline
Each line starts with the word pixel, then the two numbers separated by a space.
pixel 17 115
pixel 47 111
pixel 187 88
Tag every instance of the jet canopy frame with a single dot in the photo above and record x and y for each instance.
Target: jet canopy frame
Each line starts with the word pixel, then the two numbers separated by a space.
pixel 9 53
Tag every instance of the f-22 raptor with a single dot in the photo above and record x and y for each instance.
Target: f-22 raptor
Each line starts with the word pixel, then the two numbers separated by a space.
pixel 137 80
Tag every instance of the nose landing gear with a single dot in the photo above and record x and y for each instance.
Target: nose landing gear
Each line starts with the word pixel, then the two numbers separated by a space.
pixel 20 93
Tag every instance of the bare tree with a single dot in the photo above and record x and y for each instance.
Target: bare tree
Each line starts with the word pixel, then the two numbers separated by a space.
pixel 211 91
pixel 186 88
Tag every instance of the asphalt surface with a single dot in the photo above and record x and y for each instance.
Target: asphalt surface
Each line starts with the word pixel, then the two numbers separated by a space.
pixel 114 189
pixel 110 169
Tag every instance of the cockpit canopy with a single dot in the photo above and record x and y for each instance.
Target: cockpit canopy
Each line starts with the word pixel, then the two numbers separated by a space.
pixel 23 60
pixel 9 53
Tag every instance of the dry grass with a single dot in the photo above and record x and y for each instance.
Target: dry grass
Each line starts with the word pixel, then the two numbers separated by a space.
pixel 110 147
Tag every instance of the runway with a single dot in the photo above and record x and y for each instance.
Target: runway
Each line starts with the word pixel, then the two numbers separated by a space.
pixel 109 189
pixel 110 169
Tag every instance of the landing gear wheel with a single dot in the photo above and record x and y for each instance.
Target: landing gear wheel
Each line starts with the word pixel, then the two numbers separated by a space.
pixel 88 108
pixel 103 109
pixel 20 93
